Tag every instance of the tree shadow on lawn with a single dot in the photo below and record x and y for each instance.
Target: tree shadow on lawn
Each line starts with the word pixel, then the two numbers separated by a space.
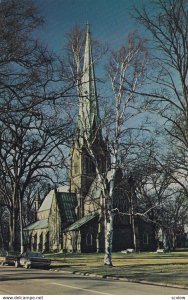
pixel 25 276
pixel 177 278
pixel 67 266
pixel 152 275
pixel 152 257
pixel 151 265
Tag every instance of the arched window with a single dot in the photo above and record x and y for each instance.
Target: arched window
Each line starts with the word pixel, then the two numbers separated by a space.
pixel 145 238
pixel 76 168
pixel 41 242
pixel 47 244
pixel 89 239
pixel 30 241
pixel 76 164
pixel 35 242
pixel 89 166
pixel 85 164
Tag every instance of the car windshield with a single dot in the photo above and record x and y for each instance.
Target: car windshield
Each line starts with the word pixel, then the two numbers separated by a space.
pixel 35 254
pixel 12 253
pixel 9 253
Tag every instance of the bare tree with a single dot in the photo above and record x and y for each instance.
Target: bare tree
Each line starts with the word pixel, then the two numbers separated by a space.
pixel 4 221
pixel 30 149
pixel 126 68
pixel 29 73
pixel 162 202
pixel 32 129
pixel 167 93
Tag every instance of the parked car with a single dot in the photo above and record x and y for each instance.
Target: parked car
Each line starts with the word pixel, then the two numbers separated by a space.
pixel 8 257
pixel 32 260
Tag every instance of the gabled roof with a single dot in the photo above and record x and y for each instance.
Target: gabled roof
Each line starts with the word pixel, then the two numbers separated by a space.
pixel 41 224
pixel 95 189
pixel 67 203
pixel 63 188
pixel 47 202
pixel 78 224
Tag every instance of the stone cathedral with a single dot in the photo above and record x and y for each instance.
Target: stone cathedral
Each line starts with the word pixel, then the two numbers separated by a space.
pixel 71 218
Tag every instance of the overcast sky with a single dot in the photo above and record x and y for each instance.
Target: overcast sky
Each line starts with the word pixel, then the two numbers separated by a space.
pixel 110 19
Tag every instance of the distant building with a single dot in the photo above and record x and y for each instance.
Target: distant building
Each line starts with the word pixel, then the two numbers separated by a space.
pixel 73 219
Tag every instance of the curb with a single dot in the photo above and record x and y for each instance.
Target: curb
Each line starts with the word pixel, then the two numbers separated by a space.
pixel 93 275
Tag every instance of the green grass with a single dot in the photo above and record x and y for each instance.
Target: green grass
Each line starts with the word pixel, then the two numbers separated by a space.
pixel 168 268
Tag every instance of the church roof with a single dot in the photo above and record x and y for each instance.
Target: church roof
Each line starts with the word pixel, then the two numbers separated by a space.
pixel 67 203
pixel 63 188
pixel 46 204
pixel 41 224
pixel 81 222
pixel 96 187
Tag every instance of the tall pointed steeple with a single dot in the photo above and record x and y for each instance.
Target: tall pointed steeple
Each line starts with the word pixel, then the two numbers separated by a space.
pixel 88 109
pixel 83 165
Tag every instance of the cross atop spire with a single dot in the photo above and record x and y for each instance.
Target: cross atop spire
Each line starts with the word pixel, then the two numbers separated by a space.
pixel 87 27
pixel 88 110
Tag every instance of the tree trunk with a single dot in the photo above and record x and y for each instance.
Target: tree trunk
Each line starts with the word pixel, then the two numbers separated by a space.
pixel 134 233
pixel 157 238
pixel 164 240
pixel 109 215
pixel 12 230
pixel 108 238
pixel 1 229
pixel 174 241
pixel 133 223
pixel 1 237
pixel 21 226
pixel 13 219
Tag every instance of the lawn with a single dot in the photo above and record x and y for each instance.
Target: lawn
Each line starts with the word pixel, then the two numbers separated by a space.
pixel 166 268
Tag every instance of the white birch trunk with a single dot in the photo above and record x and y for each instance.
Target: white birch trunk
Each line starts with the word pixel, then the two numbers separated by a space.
pixel 109 219
pixel 133 224
pixel 134 233
pixel 108 238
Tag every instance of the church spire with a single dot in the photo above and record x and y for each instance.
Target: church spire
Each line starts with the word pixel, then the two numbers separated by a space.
pixel 88 110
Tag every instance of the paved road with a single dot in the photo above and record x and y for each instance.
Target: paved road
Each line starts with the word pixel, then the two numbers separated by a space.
pixel 40 282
